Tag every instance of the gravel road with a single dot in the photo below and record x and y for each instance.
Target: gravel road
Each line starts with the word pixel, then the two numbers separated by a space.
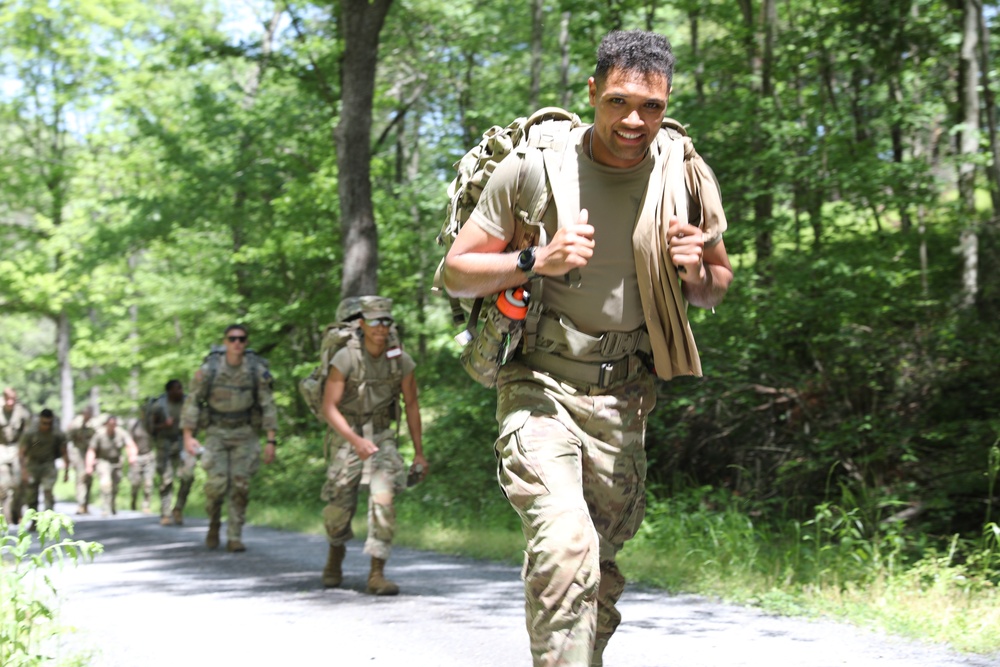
pixel 157 597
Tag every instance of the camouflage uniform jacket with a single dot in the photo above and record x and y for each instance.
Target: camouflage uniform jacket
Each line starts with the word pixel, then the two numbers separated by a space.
pixel 109 447
pixel 41 447
pixel 230 397
pixel 80 434
pixel 12 426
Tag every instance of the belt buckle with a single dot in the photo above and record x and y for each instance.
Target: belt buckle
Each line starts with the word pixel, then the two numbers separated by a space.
pixel 606 375
pixel 617 343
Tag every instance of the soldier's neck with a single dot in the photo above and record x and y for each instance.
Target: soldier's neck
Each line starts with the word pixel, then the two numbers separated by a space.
pixel 234 359
pixel 374 349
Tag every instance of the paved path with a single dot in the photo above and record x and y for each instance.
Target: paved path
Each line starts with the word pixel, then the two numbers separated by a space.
pixel 157 597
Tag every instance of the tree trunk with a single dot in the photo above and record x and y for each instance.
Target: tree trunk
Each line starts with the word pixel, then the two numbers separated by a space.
pixel 66 400
pixel 968 147
pixel 362 22
pixel 990 105
pixel 537 34
pixel 564 90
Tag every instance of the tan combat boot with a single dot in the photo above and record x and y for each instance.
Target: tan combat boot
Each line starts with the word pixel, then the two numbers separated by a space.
pixel 212 539
pixel 235 546
pixel 332 573
pixel 377 583
pixel 178 517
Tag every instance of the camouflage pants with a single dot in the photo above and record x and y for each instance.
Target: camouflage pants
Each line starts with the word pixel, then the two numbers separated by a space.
pixel 77 462
pixel 173 462
pixel 230 459
pixel 40 476
pixel 573 466
pixel 109 477
pixel 344 477
pixel 141 476
pixel 10 483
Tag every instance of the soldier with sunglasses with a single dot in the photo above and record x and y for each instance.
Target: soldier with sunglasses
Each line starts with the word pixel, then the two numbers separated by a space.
pixel 360 404
pixel 231 396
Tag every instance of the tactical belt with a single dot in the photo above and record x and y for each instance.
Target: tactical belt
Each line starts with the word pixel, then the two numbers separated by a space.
pixel 379 421
pixel 610 345
pixel 599 374
pixel 229 419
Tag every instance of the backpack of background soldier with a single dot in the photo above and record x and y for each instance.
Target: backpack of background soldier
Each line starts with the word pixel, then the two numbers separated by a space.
pixel 346 332
pixel 147 412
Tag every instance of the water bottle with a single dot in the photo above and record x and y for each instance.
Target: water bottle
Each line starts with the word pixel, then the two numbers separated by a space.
pixel 497 341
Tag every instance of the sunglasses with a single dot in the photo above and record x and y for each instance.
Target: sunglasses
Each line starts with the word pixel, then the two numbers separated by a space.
pixel 236 339
pixel 379 322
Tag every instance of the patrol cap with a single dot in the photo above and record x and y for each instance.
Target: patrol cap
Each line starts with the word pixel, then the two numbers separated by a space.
pixel 376 306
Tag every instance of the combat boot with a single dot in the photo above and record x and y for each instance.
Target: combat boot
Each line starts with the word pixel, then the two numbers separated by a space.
pixel 235 546
pixel 332 573
pixel 178 517
pixel 212 539
pixel 377 583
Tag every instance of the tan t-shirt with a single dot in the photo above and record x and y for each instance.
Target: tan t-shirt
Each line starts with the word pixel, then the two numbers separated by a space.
pixel 608 296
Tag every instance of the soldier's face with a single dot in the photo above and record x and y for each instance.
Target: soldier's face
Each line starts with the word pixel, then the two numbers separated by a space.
pixel 110 426
pixel 9 398
pixel 236 341
pixel 45 424
pixel 628 110
pixel 375 330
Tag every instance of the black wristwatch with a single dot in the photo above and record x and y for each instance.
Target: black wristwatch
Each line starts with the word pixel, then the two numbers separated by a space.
pixel 526 262
pixel 273 442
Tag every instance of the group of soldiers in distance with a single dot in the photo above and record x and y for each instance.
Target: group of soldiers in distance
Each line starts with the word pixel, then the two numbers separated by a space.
pixel 94 446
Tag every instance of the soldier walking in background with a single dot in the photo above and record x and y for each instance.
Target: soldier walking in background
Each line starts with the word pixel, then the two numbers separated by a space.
pixel 360 403
pixel 172 461
pixel 106 453
pixel 81 429
pixel 38 450
pixel 231 393
pixel 14 421
pixel 142 473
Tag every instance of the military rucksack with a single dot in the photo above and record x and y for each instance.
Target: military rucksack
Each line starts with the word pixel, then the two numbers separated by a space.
pixel 147 411
pixel 547 128
pixel 539 141
pixel 346 332
pixel 260 371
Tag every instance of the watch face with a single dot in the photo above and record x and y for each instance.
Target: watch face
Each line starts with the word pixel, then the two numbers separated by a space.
pixel 526 259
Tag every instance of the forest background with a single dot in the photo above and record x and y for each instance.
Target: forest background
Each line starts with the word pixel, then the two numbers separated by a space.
pixel 167 168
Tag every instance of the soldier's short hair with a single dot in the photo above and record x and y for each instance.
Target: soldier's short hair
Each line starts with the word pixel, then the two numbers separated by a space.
pixel 635 51
pixel 174 381
pixel 241 327
pixel 47 413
